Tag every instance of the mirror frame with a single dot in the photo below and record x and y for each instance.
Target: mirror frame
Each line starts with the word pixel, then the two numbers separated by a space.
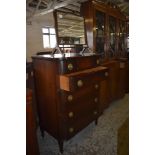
pixel 56 28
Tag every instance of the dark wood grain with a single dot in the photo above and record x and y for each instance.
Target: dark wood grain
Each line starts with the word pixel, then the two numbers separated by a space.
pixel 31 137
pixel 46 91
pixel 113 81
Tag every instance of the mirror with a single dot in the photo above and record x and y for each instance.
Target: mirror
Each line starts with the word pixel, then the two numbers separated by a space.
pixel 70 30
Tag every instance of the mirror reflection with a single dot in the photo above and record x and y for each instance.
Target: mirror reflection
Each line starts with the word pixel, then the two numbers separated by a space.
pixel 70 29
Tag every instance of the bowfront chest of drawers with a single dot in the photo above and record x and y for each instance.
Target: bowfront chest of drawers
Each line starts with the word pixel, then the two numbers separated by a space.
pixel 68 93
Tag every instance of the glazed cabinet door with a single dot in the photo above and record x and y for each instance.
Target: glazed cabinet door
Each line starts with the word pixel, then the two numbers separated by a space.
pixel 112 36
pixel 99 31
pixel 122 45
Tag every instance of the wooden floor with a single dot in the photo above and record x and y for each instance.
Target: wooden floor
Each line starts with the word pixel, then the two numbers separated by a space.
pixel 123 139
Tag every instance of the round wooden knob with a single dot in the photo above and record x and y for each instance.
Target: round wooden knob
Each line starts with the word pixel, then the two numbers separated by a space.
pixel 122 65
pixel 95 112
pixel 96 99
pixel 106 74
pixel 98 61
pixel 79 83
pixel 70 114
pixel 96 86
pixel 70 98
pixel 71 130
pixel 70 66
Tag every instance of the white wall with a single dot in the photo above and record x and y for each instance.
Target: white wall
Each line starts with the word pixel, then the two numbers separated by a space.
pixel 34 40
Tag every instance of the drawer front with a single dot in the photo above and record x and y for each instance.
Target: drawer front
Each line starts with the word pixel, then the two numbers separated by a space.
pixel 79 83
pixel 80 107
pixel 80 111
pixel 74 127
pixel 77 64
pixel 71 98
pixel 81 80
pixel 67 66
pixel 87 62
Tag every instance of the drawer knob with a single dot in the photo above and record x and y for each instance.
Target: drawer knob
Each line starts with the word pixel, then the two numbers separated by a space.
pixel 96 99
pixel 70 114
pixel 95 112
pixel 96 86
pixel 71 130
pixel 79 83
pixel 70 98
pixel 97 61
pixel 122 65
pixel 106 74
pixel 31 73
pixel 70 66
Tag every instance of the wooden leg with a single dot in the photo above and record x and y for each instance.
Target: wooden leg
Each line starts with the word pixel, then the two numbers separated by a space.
pixel 96 121
pixel 61 146
pixel 42 133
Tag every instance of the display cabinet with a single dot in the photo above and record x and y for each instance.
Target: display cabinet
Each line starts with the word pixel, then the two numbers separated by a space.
pixel 106 31
pixel 105 28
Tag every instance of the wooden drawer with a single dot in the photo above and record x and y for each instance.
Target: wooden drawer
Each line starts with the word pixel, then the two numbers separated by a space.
pixel 81 63
pixel 80 107
pixel 82 79
pixel 87 62
pixel 71 98
pixel 71 129
pixel 79 112
pixel 67 66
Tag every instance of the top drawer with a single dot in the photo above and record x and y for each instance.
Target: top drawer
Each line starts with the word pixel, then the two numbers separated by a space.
pixel 78 80
pixel 76 64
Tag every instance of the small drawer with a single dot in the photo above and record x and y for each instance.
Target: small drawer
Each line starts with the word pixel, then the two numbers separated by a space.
pixel 79 106
pixel 83 103
pixel 67 66
pixel 70 98
pixel 82 79
pixel 76 126
pixel 87 62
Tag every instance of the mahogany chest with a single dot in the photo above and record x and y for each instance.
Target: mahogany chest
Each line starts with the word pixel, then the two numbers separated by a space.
pixel 68 90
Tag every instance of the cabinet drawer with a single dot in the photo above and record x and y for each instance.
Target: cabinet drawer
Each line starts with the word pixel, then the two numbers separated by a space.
pixel 77 64
pixel 82 79
pixel 80 107
pixel 87 62
pixel 72 128
pixel 78 112
pixel 70 98
pixel 67 66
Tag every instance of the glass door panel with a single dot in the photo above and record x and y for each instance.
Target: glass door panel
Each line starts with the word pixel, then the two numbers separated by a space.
pixel 100 31
pixel 112 35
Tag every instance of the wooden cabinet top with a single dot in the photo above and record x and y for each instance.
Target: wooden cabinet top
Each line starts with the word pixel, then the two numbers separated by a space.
pixel 65 56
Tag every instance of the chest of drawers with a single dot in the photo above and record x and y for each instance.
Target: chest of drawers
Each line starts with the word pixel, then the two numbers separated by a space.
pixel 68 93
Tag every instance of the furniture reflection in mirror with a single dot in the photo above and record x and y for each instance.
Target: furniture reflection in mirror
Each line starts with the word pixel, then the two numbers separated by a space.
pixel 70 31
pixel 122 37
pixel 112 36
pixel 71 48
pixel 100 27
